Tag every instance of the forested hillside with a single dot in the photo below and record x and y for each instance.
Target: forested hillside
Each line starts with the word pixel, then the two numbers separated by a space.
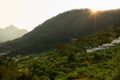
pixel 70 61
pixel 61 29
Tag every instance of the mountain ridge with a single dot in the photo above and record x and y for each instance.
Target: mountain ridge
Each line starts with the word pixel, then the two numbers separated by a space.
pixel 61 29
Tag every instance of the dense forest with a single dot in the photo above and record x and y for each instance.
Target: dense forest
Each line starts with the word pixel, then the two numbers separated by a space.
pixel 61 29
pixel 70 61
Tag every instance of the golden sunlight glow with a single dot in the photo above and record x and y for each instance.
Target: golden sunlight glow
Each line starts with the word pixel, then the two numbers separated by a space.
pixel 94 11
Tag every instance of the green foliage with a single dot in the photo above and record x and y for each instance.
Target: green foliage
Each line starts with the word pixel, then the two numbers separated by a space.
pixel 8 70
pixel 71 61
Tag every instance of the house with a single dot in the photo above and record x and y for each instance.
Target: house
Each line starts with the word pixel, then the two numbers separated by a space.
pixel 116 41
pixel 107 46
pixel 104 46
pixel 92 49
pixel 89 50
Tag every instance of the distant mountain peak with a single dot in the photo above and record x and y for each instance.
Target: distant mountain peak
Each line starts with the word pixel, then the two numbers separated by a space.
pixel 11 27
pixel 11 32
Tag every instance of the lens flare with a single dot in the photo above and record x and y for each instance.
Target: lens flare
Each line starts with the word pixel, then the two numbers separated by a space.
pixel 94 10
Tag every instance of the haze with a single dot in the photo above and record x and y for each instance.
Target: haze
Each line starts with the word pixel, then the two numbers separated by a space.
pixel 27 14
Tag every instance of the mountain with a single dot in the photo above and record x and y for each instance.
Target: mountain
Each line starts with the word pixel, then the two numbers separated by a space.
pixel 11 33
pixel 60 29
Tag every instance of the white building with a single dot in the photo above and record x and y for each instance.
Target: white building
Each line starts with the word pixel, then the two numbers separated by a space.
pixel 102 47
pixel 106 46
pixel 92 49
pixel 89 50
pixel 116 41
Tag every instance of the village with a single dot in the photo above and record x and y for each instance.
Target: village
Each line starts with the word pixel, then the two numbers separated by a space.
pixel 104 46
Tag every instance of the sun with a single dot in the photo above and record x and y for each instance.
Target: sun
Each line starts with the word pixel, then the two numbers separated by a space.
pixel 94 10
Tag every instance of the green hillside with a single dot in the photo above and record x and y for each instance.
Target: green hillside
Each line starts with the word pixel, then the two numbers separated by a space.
pixel 61 29
pixel 70 61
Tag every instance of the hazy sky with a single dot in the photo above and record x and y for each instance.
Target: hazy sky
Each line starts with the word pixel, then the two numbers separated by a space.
pixel 27 14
